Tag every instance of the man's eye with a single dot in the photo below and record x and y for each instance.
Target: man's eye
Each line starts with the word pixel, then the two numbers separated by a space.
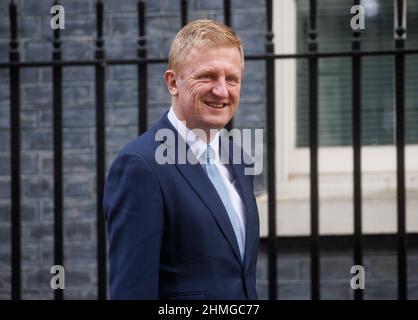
pixel 232 79
pixel 206 77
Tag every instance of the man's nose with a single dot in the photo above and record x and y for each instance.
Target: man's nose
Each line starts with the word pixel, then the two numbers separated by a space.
pixel 220 88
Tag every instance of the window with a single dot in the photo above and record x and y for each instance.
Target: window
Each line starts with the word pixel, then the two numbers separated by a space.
pixel 378 115
pixel 335 137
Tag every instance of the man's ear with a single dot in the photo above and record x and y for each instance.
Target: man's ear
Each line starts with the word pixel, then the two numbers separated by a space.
pixel 170 81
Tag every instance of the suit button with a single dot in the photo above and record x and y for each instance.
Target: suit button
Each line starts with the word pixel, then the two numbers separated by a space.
pixel 246 275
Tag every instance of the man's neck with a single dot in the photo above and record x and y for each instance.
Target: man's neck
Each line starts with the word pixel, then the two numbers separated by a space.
pixel 206 135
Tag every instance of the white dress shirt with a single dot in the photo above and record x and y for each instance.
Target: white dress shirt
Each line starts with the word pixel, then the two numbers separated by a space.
pixel 198 148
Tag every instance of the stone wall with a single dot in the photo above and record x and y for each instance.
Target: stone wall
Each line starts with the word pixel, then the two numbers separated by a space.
pixel 78 41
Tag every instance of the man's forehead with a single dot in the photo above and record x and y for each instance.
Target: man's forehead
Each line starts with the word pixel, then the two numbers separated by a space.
pixel 204 48
pixel 212 62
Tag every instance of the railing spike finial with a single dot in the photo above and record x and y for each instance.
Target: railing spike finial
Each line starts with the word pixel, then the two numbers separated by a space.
pixel 13 25
pixel 99 25
pixel 400 19
pixel 184 12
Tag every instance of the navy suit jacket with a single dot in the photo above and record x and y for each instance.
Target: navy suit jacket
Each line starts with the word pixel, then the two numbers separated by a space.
pixel 169 234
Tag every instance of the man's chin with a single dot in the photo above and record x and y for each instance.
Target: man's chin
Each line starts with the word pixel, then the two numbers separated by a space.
pixel 219 121
pixel 218 125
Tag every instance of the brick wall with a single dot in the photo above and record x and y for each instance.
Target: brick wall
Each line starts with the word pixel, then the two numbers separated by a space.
pixel 78 41
pixel 336 260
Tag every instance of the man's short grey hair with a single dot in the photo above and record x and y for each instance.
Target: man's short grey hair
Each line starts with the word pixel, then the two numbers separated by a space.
pixel 201 33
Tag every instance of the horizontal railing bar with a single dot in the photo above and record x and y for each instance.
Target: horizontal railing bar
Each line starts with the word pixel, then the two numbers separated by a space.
pixel 335 54
pixel 75 63
pixel 164 60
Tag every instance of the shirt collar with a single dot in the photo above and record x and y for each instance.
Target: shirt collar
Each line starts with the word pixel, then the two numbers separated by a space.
pixel 197 145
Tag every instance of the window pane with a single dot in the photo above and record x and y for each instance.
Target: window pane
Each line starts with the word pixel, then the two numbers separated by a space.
pixel 335 92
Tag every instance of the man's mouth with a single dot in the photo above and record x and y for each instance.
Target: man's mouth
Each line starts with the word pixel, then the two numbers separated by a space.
pixel 216 105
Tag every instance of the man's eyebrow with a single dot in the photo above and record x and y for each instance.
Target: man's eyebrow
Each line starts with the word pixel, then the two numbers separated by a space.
pixel 229 71
pixel 205 70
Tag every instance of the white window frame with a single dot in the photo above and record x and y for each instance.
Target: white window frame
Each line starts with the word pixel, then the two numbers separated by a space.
pixel 335 163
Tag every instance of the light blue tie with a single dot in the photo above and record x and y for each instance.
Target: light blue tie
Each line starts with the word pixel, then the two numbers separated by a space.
pixel 216 179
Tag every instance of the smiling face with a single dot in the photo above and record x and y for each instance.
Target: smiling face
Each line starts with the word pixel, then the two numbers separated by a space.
pixel 206 87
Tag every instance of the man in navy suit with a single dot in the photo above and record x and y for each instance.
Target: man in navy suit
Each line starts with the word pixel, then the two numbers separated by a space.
pixel 186 229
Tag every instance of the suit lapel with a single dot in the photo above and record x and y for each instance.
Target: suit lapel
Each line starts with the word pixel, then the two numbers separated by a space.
pixel 200 183
pixel 250 207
